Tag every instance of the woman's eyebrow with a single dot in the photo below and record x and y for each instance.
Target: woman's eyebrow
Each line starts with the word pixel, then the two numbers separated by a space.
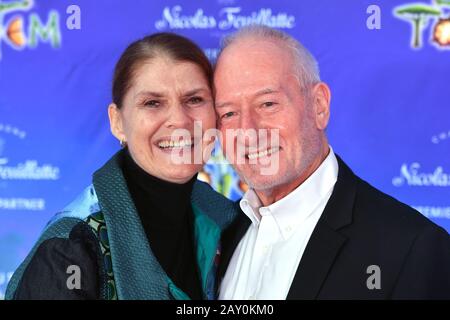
pixel 150 93
pixel 194 92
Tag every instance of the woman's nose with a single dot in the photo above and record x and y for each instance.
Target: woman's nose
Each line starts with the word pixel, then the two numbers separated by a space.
pixel 178 117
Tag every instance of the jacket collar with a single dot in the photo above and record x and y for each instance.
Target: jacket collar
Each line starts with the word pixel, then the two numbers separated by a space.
pixel 138 274
pixel 324 244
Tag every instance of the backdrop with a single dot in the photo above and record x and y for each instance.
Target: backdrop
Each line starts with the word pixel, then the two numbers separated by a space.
pixel 387 63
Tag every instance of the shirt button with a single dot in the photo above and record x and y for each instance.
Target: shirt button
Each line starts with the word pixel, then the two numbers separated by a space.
pixel 288 229
pixel 251 298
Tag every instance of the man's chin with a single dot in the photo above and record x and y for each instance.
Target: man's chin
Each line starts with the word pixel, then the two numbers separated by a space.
pixel 262 183
pixel 255 179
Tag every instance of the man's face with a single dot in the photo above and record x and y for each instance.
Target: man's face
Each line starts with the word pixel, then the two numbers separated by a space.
pixel 257 88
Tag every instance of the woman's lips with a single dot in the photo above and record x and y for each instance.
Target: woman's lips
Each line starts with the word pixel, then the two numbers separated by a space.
pixel 175 144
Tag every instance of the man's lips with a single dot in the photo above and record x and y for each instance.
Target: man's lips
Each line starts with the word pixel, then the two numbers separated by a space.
pixel 262 153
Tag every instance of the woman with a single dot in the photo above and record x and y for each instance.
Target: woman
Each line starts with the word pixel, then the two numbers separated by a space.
pixel 146 228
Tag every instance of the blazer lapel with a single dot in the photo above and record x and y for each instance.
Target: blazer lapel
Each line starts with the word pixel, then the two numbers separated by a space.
pixel 325 242
pixel 317 260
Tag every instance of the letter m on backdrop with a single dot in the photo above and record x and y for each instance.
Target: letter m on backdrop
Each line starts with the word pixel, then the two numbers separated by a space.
pixel 46 33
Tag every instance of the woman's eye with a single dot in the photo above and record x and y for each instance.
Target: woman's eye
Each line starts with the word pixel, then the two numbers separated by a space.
pixel 152 103
pixel 195 100
pixel 227 115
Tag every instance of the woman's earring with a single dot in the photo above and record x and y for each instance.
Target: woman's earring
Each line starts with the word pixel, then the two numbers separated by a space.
pixel 122 143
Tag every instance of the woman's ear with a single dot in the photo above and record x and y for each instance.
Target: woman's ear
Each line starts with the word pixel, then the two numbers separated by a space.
pixel 321 96
pixel 116 122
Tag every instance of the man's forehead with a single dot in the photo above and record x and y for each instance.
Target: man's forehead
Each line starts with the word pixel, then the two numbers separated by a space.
pixel 252 91
pixel 249 79
pixel 253 52
pixel 256 45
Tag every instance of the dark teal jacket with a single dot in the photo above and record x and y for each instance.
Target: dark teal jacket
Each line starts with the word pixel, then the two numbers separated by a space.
pixel 131 269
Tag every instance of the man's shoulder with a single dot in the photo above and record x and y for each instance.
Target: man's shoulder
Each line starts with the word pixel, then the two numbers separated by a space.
pixel 386 213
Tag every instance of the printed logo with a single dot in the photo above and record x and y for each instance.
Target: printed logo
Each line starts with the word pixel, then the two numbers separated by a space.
pixel 441 137
pixel 421 16
pixel 18 35
pixel 412 176
pixel 28 170
pixel 227 18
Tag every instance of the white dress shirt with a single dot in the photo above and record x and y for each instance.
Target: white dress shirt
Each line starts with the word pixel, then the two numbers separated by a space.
pixel 265 261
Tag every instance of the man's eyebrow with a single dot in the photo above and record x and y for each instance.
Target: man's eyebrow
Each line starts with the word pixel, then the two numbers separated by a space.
pixel 257 94
pixel 224 104
pixel 265 91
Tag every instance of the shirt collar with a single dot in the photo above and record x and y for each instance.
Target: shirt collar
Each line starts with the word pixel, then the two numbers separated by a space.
pixel 293 209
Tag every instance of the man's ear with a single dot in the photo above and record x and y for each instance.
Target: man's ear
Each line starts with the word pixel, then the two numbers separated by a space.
pixel 116 122
pixel 321 96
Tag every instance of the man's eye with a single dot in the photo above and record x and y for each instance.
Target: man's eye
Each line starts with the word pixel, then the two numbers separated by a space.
pixel 268 104
pixel 152 103
pixel 195 100
pixel 228 115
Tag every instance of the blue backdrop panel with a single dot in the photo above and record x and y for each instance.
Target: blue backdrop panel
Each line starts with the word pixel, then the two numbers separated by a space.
pixel 389 79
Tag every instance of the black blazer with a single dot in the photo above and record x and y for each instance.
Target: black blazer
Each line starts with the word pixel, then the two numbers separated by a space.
pixel 360 227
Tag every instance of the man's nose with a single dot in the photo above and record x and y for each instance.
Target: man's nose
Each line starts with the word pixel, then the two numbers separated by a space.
pixel 249 128
pixel 247 120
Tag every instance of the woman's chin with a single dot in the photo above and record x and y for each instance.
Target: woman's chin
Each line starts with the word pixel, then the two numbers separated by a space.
pixel 181 173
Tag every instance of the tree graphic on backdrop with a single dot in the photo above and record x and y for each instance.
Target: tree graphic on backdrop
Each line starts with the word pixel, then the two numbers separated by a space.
pixel 419 15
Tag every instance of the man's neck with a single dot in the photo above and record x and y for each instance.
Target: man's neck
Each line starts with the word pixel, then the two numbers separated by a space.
pixel 278 192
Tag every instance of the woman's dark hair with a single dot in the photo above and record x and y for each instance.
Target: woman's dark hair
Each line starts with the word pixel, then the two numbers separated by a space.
pixel 156 45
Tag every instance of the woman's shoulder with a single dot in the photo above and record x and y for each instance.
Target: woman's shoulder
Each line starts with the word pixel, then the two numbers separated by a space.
pixel 221 209
pixel 73 237
pixel 64 268
pixel 203 192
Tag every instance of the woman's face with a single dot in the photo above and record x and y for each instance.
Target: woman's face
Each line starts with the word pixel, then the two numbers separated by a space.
pixel 165 103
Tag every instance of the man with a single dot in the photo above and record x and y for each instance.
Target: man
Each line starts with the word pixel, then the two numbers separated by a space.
pixel 310 229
